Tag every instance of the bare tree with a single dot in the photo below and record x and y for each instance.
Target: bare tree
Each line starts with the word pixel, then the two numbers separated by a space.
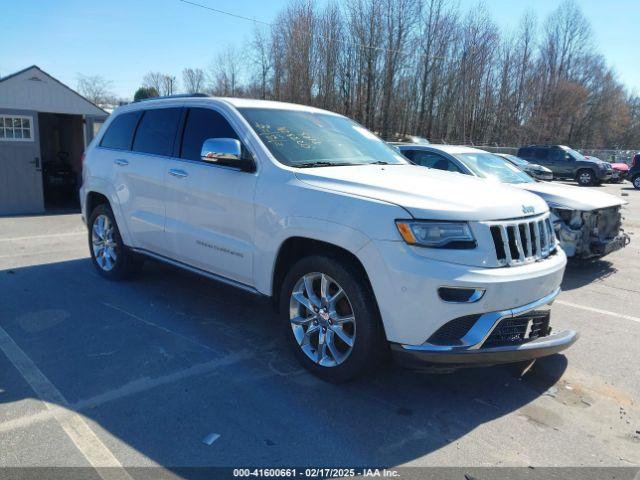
pixel 169 85
pixel 260 46
pixel 153 80
pixel 224 72
pixel 193 80
pixel 164 84
pixel 426 67
pixel 95 88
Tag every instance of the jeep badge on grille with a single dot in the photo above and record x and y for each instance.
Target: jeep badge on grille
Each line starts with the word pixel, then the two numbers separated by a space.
pixel 528 209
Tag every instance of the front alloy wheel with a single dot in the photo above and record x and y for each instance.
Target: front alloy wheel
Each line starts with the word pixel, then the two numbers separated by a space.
pixel 322 319
pixel 636 182
pixel 330 317
pixel 585 178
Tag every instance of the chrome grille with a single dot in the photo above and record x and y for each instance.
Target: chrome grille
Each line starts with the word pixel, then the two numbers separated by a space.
pixel 524 240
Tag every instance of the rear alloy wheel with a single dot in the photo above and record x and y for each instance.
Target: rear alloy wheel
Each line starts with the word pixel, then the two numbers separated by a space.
pixel 103 243
pixel 110 256
pixel 585 178
pixel 636 182
pixel 331 318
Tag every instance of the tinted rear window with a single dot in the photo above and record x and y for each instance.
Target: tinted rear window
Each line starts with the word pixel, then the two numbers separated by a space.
pixel 120 132
pixel 203 123
pixel 157 131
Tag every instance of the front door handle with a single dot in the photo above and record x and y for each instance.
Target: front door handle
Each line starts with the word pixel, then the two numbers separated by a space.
pixel 121 162
pixel 178 173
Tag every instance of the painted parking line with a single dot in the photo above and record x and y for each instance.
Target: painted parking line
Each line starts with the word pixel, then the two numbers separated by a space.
pixel 49 235
pixel 598 310
pixel 132 388
pixel 87 442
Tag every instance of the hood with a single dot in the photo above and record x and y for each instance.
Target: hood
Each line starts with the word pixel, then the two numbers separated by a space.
pixel 596 161
pixel 576 198
pixel 427 193
pixel 623 167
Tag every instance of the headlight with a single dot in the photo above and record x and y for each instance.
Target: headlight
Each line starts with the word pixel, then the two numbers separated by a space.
pixel 436 234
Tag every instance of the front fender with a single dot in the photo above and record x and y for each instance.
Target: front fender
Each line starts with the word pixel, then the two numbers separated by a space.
pixel 334 233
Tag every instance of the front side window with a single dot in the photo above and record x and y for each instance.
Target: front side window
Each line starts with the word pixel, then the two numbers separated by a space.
pixel 493 167
pixel 120 132
pixel 16 128
pixel 305 139
pixel 157 131
pixel 202 124
pixel 574 155
pixel 541 153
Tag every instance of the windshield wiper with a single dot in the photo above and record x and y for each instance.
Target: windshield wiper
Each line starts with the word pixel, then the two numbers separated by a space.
pixel 320 164
pixel 379 162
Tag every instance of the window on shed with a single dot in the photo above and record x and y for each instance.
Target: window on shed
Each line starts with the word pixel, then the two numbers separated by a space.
pixel 18 128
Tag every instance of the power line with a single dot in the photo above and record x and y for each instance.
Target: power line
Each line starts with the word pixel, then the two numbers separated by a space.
pixel 206 7
pixel 235 15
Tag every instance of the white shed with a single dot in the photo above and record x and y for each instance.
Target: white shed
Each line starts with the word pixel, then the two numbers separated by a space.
pixel 44 129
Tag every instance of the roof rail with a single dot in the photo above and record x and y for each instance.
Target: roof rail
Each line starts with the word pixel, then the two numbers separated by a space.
pixel 180 95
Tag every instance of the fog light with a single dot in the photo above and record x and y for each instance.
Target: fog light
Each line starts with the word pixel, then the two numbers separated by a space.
pixel 460 294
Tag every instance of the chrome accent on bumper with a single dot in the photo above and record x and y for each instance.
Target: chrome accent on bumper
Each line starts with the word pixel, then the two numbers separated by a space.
pixel 469 352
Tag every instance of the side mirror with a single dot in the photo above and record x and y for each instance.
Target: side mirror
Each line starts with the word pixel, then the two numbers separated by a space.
pixel 225 151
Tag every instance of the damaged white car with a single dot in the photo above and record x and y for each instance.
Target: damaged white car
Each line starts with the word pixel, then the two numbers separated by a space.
pixel 588 223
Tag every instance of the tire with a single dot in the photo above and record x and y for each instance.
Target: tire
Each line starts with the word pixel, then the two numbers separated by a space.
pixel 636 182
pixel 585 178
pixel 336 361
pixel 109 255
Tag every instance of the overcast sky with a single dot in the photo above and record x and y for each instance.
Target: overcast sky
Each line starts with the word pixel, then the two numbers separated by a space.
pixel 123 39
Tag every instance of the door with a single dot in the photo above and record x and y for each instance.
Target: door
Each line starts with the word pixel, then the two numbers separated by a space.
pixel 542 156
pixel 209 208
pixel 139 145
pixel 20 166
pixel 563 163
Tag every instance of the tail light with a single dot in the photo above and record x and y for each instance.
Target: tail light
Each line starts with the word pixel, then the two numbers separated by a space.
pixel 82 157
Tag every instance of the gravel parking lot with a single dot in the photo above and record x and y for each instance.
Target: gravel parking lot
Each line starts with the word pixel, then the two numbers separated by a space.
pixel 139 373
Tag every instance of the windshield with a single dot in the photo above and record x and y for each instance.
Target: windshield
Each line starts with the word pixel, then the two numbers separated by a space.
pixel 309 139
pixel 493 167
pixel 521 162
pixel 573 153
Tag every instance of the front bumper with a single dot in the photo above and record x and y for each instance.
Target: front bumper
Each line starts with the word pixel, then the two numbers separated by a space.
pixel 600 249
pixel 604 175
pixel 619 176
pixel 470 351
pixel 407 280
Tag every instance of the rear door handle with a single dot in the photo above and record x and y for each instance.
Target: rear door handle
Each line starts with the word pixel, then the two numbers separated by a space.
pixel 178 173
pixel 121 162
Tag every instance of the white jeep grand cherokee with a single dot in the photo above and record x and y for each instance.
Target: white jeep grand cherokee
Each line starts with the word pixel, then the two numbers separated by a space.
pixel 359 249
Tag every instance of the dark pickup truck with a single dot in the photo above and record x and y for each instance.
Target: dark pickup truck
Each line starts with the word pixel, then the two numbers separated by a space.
pixel 565 162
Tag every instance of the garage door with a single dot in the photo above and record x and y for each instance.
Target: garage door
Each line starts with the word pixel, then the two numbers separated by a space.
pixel 20 167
